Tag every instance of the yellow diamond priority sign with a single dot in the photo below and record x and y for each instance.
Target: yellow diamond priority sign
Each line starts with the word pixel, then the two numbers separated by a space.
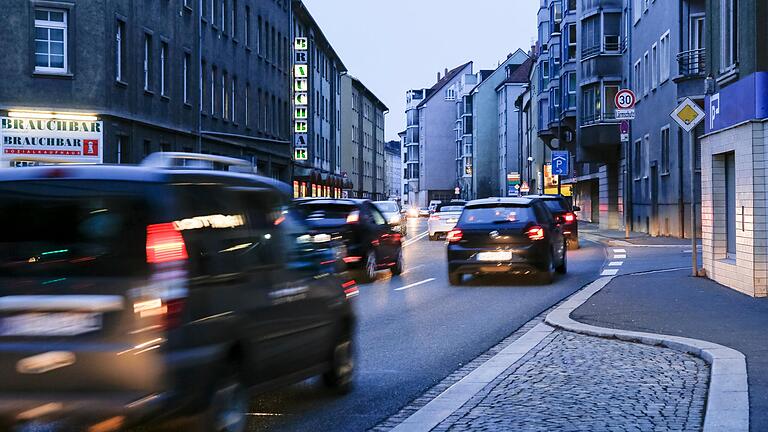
pixel 688 114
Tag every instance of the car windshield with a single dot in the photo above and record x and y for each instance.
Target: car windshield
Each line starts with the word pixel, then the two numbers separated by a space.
pixel 387 206
pixel 555 205
pixel 72 228
pixel 496 214
pixel 449 208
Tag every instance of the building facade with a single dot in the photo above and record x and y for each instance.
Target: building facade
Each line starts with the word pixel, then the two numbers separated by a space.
pixel 210 77
pixel 464 172
pixel 432 116
pixel 485 131
pixel 734 146
pixel 510 118
pixel 362 140
pixel 393 170
pixel 317 173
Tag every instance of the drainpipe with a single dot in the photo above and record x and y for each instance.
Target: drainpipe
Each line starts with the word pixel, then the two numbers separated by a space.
pixel 628 147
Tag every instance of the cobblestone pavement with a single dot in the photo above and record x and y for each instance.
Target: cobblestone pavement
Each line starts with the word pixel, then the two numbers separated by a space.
pixel 571 382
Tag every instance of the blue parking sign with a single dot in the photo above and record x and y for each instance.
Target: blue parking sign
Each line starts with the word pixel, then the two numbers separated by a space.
pixel 560 163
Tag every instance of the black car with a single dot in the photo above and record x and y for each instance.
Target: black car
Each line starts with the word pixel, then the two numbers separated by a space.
pixel 506 235
pixel 370 241
pixel 137 294
pixel 561 208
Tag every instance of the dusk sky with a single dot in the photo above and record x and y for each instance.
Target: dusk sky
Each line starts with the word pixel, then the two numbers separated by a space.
pixel 396 45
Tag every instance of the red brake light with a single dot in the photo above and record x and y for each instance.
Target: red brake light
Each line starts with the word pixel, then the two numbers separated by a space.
pixel 535 233
pixel 353 217
pixel 165 244
pixel 454 236
pixel 569 217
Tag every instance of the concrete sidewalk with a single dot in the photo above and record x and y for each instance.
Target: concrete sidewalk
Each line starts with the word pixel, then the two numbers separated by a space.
pixel 618 237
pixel 674 303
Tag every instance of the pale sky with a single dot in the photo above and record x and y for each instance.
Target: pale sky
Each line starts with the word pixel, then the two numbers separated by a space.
pixel 396 45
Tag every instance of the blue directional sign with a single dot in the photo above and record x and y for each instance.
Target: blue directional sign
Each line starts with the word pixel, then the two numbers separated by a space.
pixel 560 163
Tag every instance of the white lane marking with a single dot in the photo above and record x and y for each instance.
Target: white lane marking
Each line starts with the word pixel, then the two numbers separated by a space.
pixel 619 251
pixel 609 272
pixel 615 263
pixel 410 269
pixel 415 239
pixel 414 284
pixel 620 256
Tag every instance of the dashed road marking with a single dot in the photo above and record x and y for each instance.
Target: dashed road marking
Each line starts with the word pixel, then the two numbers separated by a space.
pixel 615 256
pixel 609 272
pixel 620 251
pixel 414 284
pixel 415 239
pixel 615 263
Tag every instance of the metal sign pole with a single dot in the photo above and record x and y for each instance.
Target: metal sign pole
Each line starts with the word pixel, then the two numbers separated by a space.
pixel 695 252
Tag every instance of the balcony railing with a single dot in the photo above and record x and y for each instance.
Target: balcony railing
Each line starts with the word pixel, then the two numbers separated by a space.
pixel 692 63
pixel 588 119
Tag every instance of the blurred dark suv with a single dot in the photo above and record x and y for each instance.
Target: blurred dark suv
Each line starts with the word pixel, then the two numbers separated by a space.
pixel 371 243
pixel 135 293
pixel 564 213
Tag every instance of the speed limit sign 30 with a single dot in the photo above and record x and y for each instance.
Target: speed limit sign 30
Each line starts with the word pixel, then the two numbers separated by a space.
pixel 625 104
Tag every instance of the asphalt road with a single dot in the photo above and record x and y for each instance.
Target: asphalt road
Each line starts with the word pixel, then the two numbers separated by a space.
pixel 414 330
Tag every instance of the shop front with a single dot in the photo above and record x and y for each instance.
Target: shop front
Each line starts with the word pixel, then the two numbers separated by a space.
pixel 312 183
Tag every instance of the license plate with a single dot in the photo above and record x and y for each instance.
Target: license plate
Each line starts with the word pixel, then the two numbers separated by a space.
pixel 50 324
pixel 494 256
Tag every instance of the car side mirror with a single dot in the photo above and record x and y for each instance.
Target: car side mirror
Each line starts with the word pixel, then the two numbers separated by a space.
pixel 576 208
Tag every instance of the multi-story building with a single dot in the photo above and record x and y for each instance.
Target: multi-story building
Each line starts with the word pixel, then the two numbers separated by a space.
pixel 403 168
pixel 362 139
pixel 208 76
pixel 393 170
pixel 463 128
pixel 319 174
pixel 733 148
pixel 509 121
pixel 485 131
pixel 431 142
pixel 660 172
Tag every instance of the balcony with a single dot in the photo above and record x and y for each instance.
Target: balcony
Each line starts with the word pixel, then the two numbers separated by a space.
pixel 692 63
pixel 596 118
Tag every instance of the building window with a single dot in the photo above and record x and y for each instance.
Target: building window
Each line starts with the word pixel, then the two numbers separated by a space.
pixel 224 99
pixel 213 12
pixel 728 34
pixel 556 16
pixel 187 78
pixel 544 75
pixel 654 66
pixel 571 87
pixel 637 10
pixel 646 73
pixel 232 96
pixel 609 104
pixel 246 103
pixel 637 159
pixel 223 16
pixel 638 77
pixel 665 150
pixel 665 56
pixel 260 36
pixel 233 19
pixel 163 67
pixel 51 40
pixel 119 50
pixel 213 91
pixel 570 54
pixel 202 85
pixel 203 9
pixel 590 36
pixel 730 204
pixel 247 27
pixel 147 65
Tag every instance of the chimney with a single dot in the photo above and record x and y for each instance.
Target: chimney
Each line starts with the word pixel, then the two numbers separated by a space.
pixel 446 71
pixel 438 76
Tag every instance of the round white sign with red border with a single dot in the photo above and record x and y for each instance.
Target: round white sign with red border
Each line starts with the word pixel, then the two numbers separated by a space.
pixel 625 99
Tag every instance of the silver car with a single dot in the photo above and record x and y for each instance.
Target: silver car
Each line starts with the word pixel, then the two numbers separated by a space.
pixel 444 219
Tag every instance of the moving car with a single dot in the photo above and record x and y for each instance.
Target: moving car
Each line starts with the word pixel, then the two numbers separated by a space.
pixel 371 243
pixel 393 214
pixel 433 205
pixel 132 294
pixel 444 219
pixel 506 235
pixel 423 212
pixel 561 208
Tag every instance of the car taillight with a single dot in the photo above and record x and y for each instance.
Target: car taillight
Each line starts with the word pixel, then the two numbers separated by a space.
pixel 454 236
pixel 569 217
pixel 353 217
pixel 535 233
pixel 165 244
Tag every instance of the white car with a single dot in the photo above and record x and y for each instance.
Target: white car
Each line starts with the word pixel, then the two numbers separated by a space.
pixel 444 219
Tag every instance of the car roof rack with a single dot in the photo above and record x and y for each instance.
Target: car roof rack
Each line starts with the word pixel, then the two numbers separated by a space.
pixel 181 160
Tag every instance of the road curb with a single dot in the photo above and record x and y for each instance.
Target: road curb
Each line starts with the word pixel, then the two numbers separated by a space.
pixel 728 395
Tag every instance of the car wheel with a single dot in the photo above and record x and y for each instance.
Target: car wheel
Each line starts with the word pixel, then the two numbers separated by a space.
pixel 399 266
pixel 340 377
pixel 573 243
pixel 455 278
pixel 228 406
pixel 563 267
pixel 547 275
pixel 433 237
pixel 368 272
